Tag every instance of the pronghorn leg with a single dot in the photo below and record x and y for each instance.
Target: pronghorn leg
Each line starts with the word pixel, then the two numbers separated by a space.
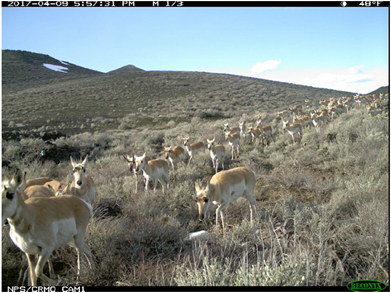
pixel 146 183
pixel 188 163
pixel 167 178
pixel 52 274
pixel 45 254
pixel 216 165
pixel 32 277
pixel 136 179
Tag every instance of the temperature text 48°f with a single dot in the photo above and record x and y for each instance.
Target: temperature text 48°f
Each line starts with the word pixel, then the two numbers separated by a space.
pixel 370 3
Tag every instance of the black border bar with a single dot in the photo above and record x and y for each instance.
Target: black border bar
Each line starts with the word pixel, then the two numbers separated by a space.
pixel 103 3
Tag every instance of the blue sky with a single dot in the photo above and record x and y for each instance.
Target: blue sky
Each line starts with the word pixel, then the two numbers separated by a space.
pixel 343 48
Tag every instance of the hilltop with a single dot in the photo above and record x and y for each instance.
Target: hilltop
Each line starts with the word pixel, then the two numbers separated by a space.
pixel 23 66
pixel 125 69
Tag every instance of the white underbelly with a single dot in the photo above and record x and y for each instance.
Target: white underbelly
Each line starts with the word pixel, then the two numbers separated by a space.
pixel 60 233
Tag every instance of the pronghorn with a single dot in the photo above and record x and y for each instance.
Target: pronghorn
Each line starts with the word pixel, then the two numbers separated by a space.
pixel 317 122
pixel 255 133
pixel 157 170
pixel 336 110
pixel 132 167
pixel 304 120
pixel 292 129
pixel 242 129
pixel 223 188
pixel 83 185
pixel 266 130
pixel 217 153
pixel 375 105
pixel 296 110
pixel 37 181
pixel 235 129
pixel 40 225
pixel 233 141
pixel 348 103
pixel 282 114
pixel 45 190
pixel 193 148
pixel 56 186
pixel 174 154
pixel 324 102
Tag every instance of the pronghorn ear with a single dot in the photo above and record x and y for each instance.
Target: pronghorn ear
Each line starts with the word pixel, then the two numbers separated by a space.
pixel 17 178
pixel 72 161
pixel 207 189
pixel 197 187
pixel 128 158
pixel 85 160
pixel 21 180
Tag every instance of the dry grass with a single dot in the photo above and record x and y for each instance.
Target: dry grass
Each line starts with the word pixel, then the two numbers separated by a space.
pixel 322 209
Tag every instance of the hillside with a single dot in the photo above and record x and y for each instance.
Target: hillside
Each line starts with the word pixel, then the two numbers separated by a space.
pixel 84 100
pixel 322 202
pixel 22 66
pixel 382 90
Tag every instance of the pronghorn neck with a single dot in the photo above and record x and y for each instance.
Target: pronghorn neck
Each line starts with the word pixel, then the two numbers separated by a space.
pixel 21 219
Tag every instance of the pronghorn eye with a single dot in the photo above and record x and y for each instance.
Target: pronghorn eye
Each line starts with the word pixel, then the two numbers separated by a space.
pixel 9 195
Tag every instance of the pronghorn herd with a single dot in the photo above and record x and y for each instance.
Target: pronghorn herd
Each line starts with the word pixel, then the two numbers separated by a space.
pixel 45 214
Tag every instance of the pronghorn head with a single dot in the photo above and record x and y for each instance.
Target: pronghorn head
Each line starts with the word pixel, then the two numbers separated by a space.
pixel 131 163
pixel 284 123
pixel 140 163
pixel 79 171
pixel 186 141
pixel 227 134
pixel 226 127
pixel 210 143
pixel 11 189
pixel 167 152
pixel 202 200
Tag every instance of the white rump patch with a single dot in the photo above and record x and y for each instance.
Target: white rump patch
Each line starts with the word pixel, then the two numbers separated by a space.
pixel 56 67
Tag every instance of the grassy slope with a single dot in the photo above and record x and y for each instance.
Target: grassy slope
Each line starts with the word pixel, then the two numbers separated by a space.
pixel 322 207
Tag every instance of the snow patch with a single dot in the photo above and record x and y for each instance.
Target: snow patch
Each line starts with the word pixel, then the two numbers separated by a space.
pixel 56 68
pixel 65 63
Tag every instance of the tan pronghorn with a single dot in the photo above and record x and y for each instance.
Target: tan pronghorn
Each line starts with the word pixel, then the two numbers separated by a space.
pixel 193 148
pixel 217 153
pixel 45 190
pixel 235 129
pixel 242 129
pixel 40 225
pixel 174 154
pixel 324 102
pixel 375 105
pixel 255 133
pixel 132 167
pixel 155 170
pixel 266 131
pixel 292 129
pixel 304 120
pixel 233 140
pixel 296 110
pixel 56 186
pixel 223 188
pixel 282 114
pixel 336 110
pixel 83 185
